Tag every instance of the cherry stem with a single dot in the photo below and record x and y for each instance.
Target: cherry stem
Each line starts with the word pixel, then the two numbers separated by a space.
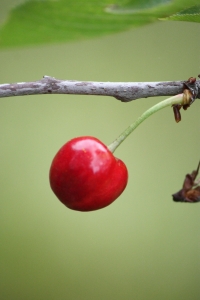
pixel 167 102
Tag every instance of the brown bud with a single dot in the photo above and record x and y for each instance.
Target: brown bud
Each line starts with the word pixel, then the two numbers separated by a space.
pixel 190 191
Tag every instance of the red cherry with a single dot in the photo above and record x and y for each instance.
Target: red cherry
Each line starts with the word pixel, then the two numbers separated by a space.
pixel 86 176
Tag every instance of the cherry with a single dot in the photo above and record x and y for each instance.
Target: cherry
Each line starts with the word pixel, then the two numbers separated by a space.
pixel 86 176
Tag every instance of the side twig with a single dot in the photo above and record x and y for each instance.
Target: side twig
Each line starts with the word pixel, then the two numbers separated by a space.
pixel 124 91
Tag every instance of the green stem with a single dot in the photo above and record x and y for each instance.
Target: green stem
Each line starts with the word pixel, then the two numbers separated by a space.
pixel 167 102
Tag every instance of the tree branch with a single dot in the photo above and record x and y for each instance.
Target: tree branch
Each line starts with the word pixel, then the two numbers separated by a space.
pixel 124 91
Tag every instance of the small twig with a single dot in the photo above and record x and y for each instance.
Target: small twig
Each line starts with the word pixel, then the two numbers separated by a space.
pixel 124 91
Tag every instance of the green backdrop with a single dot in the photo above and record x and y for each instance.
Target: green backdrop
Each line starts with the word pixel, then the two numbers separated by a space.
pixel 143 246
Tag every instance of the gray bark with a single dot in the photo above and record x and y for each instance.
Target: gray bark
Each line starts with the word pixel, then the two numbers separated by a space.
pixel 123 91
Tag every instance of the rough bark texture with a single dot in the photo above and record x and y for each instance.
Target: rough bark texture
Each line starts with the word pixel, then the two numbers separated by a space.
pixel 123 91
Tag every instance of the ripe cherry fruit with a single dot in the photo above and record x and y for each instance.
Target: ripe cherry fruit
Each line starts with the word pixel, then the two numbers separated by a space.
pixel 86 176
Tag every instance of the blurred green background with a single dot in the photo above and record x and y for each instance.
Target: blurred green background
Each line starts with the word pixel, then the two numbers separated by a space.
pixel 143 246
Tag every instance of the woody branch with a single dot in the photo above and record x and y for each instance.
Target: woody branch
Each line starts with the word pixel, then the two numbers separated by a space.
pixel 123 91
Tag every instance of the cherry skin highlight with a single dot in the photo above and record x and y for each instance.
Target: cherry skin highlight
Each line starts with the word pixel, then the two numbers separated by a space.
pixel 86 176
